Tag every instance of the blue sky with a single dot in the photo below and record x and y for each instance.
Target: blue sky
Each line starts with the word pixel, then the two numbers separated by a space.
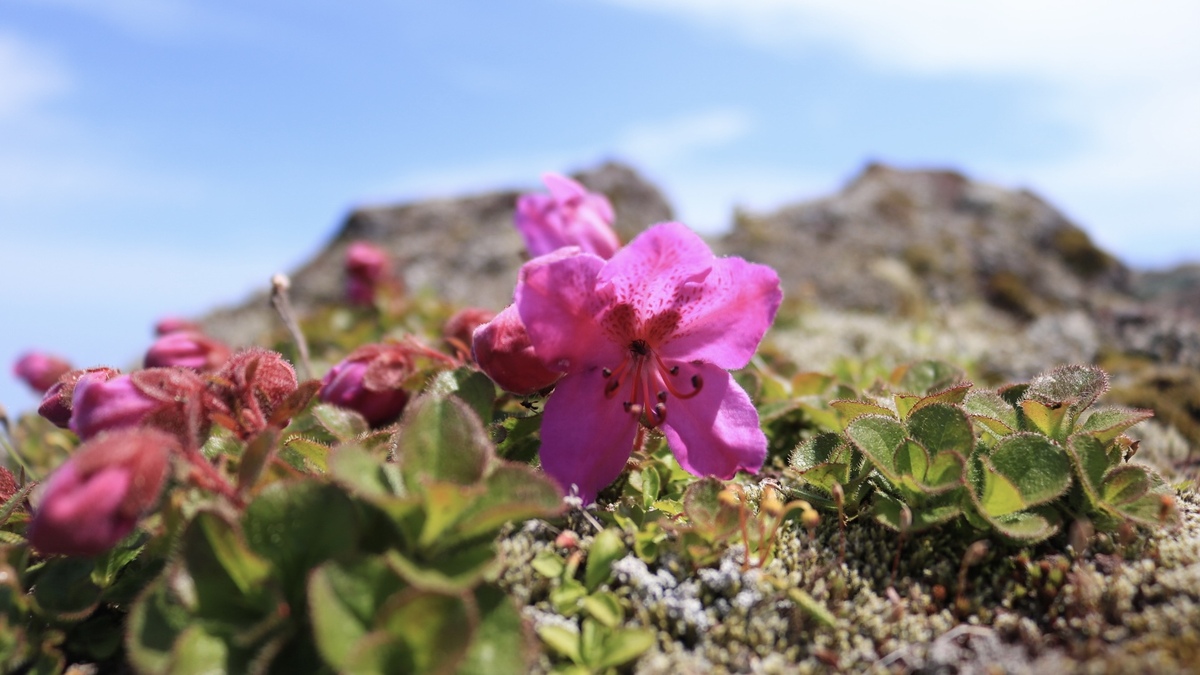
pixel 165 156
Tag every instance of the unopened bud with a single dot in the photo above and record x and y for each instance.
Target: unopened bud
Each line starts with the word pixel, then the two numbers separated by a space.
pixel 503 350
pixel 40 370
pixel 96 498
pixel 366 268
pixel 370 381
pixel 187 349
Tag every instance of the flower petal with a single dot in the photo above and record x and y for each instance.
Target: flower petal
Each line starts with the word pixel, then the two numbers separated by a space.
pixel 586 437
pixel 726 315
pixel 650 271
pixel 557 300
pixel 715 433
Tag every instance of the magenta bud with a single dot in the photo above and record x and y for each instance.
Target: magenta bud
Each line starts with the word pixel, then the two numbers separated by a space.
pixel 40 370
pixel 460 328
pixel 246 390
pixel 56 403
pixel 370 382
pixel 187 349
pixel 502 349
pixel 367 266
pixel 101 403
pixel 95 499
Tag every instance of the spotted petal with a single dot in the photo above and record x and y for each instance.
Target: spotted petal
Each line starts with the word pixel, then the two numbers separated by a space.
pixel 586 437
pixel 716 432
pixel 726 314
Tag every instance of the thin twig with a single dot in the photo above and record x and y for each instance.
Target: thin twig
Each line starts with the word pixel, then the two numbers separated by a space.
pixel 283 306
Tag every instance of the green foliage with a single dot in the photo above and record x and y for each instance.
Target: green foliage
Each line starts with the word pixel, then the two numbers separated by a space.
pixel 928 449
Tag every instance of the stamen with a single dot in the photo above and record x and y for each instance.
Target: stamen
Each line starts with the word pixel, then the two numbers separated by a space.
pixel 662 396
pixel 660 412
pixel 606 372
pixel 611 387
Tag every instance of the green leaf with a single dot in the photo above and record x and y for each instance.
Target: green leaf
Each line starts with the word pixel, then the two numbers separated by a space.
pixel 64 590
pixel 10 505
pixel 605 608
pixel 502 643
pixel 622 646
pixel 1075 386
pixel 519 440
pixel 1050 419
pixel 363 472
pixel 1108 423
pixel 153 625
pixel 254 458
pixel 877 437
pixel 298 525
pixel 1091 462
pixel 991 410
pixel 444 504
pixel 511 492
pixel 951 396
pixel 939 510
pixel 197 653
pixel 451 572
pixel 927 376
pixel 853 409
pixel 419 632
pixel 548 564
pixel 942 426
pixel 947 471
pixel 1125 484
pixel 343 599
pixel 999 496
pixel 911 462
pixel 561 639
pixel 232 584
pixel 471 386
pixel 607 548
pixel 1028 526
pixel 1039 468
pixel 441 439
pixel 345 425
pixel 1155 506
pixel 315 454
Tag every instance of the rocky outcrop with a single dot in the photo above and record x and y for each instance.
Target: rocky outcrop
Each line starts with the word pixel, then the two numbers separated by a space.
pixel 893 238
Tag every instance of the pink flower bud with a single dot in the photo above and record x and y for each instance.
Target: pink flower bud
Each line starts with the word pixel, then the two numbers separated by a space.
pixel 187 349
pixel 57 401
pixel 370 382
pixel 568 216
pixel 503 351
pixel 95 499
pixel 246 390
pixel 460 328
pixel 366 268
pixel 39 370
pixel 100 403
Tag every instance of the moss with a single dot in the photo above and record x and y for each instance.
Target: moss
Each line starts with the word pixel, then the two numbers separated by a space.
pixel 1076 249
pixel 1008 292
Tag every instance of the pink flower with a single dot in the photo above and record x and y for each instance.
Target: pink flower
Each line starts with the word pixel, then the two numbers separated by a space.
pixel 568 216
pixel 39 370
pixel 187 349
pixel 647 337
pixel 96 498
pixel 370 381
pixel 459 328
pixel 503 351
pixel 367 266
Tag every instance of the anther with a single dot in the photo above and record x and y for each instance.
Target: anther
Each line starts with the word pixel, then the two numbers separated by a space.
pixel 611 387
pixel 662 396
pixel 606 372
pixel 674 370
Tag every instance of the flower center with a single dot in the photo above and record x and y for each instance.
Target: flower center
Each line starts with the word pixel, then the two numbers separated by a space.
pixel 651 383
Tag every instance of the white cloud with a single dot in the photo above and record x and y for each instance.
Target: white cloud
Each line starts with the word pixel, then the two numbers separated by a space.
pixel 29 77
